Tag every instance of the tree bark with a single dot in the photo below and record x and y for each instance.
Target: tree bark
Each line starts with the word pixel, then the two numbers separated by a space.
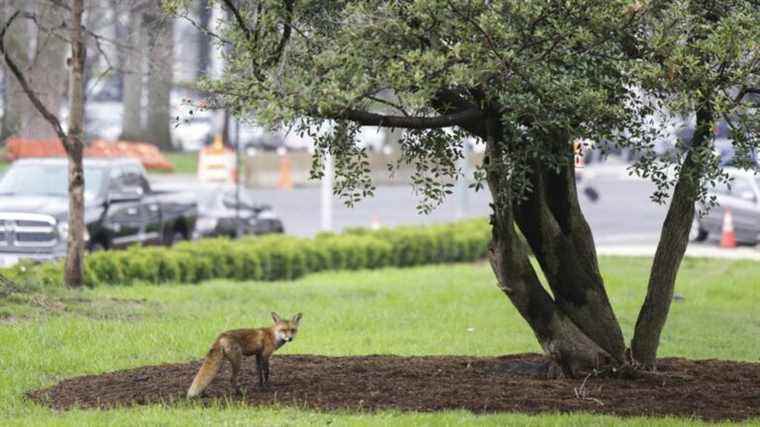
pixel 551 220
pixel 16 43
pixel 120 32
pixel 568 345
pixel 674 239
pixel 160 63
pixel 73 273
pixel 204 40
pixel 46 75
pixel 131 124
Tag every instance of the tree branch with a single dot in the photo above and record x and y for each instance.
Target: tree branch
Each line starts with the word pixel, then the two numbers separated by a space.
pixel 250 36
pixel 239 18
pixel 285 34
pixel 50 117
pixel 459 118
pixel 744 92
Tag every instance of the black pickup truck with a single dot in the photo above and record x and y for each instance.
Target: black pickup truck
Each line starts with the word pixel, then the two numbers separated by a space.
pixel 120 208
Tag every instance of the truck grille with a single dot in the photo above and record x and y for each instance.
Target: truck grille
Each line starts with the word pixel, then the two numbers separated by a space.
pixel 22 230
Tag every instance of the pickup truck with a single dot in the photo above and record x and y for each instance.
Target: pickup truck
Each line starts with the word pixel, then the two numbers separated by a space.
pixel 121 209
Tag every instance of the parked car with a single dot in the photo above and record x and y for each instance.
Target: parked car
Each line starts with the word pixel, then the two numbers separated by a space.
pixel 742 197
pixel 121 209
pixel 221 214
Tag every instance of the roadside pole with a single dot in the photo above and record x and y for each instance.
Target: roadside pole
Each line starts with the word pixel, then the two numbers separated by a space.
pixel 238 229
pixel 327 193
pixel 463 198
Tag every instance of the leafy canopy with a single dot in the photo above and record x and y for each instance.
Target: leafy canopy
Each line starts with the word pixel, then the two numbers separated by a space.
pixel 546 70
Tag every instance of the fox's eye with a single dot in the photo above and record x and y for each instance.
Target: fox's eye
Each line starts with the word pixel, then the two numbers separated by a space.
pixel 293 331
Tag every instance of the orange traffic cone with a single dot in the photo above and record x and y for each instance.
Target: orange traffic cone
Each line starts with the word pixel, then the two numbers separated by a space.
pixel 285 180
pixel 375 223
pixel 728 237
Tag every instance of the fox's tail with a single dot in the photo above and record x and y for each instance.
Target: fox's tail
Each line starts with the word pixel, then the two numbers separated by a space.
pixel 208 371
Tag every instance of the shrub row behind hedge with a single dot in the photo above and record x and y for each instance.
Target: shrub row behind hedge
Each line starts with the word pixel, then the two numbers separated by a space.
pixel 273 257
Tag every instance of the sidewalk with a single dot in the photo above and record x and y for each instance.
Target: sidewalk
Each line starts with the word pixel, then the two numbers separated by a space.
pixel 693 250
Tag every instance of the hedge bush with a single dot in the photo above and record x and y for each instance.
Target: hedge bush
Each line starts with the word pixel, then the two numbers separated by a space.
pixel 272 257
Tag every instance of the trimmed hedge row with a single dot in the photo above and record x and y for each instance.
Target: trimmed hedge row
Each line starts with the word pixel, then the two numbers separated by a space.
pixel 272 257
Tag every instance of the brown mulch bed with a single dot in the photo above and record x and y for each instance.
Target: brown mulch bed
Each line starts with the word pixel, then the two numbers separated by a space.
pixel 705 389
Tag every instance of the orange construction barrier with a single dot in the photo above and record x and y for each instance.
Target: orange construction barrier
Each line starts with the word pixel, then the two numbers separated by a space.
pixel 728 236
pixel 216 163
pixel 148 154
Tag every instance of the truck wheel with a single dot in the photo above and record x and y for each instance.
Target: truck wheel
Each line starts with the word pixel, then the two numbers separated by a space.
pixel 97 247
pixel 697 233
pixel 173 236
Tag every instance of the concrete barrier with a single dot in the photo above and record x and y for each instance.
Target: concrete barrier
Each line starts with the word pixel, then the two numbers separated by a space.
pixel 263 169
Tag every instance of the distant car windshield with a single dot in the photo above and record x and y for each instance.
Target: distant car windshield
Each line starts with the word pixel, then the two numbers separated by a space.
pixel 47 180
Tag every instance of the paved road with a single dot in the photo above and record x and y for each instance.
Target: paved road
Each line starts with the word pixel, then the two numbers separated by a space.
pixel 623 213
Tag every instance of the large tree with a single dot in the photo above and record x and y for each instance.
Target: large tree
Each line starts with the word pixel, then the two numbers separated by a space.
pixel 527 78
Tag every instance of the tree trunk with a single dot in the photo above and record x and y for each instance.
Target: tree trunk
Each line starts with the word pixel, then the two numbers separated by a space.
pixel 47 75
pixel 131 124
pixel 594 339
pixel 670 250
pixel 73 274
pixel 16 43
pixel 551 220
pixel 204 40
pixel 121 32
pixel 160 63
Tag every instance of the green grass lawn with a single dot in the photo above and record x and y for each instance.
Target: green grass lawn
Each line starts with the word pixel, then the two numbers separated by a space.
pixel 420 311
pixel 184 162
pixel 3 164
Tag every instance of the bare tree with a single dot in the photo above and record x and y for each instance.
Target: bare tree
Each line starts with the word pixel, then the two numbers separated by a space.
pixel 72 139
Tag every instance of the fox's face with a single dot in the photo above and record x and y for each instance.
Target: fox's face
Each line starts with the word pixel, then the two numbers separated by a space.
pixel 285 330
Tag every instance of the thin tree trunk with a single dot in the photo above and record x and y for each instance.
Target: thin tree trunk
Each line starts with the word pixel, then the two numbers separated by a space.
pixel 160 63
pixel 131 124
pixel 73 274
pixel 204 40
pixel 72 141
pixel 16 42
pixel 121 32
pixel 670 250
pixel 47 75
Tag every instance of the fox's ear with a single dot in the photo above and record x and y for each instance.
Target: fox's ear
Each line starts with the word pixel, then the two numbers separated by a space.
pixel 297 318
pixel 276 318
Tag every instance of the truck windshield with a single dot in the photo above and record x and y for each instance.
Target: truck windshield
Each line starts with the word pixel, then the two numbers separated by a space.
pixel 47 180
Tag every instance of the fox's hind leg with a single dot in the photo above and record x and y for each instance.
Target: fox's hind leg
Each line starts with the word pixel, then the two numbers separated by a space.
pixel 233 353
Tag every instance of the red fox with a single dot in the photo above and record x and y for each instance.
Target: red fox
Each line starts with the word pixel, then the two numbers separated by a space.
pixel 233 345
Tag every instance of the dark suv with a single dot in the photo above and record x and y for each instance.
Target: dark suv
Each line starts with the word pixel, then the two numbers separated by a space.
pixel 120 208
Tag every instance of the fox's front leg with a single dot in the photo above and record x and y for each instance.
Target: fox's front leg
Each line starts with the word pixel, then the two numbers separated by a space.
pixel 260 370
pixel 265 363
